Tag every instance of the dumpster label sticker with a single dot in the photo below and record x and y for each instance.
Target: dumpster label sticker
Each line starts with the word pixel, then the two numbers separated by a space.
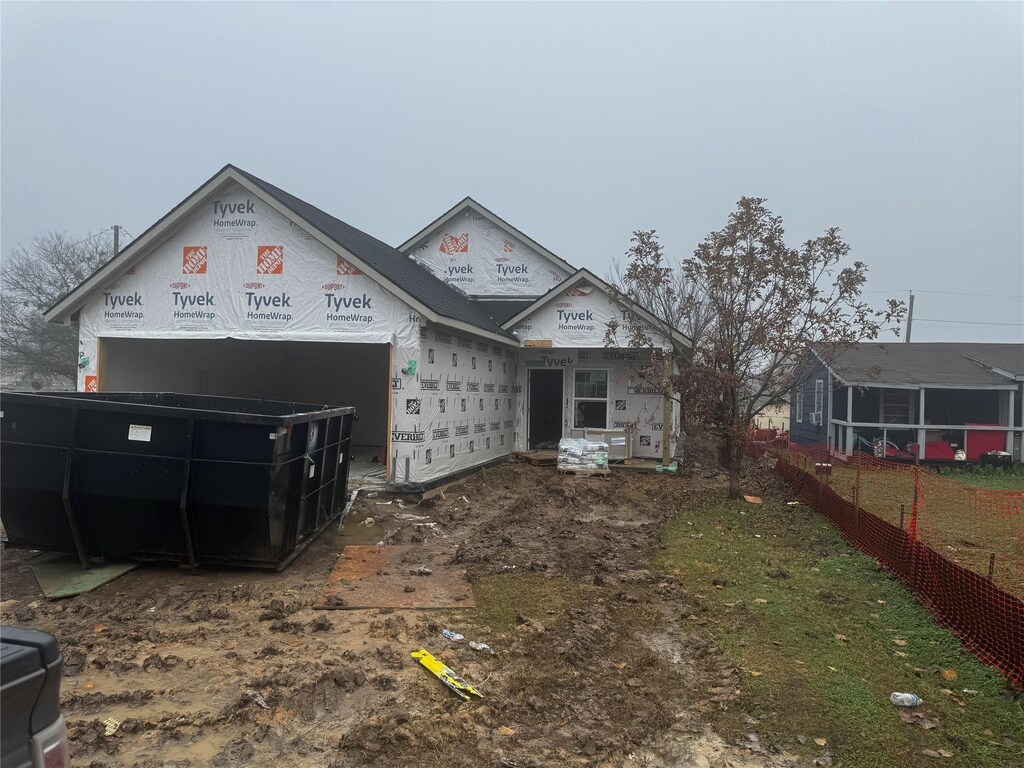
pixel 140 433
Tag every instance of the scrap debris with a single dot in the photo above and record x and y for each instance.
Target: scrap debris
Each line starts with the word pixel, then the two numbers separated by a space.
pixel 443 673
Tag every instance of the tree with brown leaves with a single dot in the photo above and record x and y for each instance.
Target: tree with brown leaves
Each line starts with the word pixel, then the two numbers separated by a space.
pixel 761 306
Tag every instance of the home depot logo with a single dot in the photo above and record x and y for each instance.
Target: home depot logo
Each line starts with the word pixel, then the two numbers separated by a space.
pixel 509 246
pixel 270 260
pixel 580 290
pixel 193 260
pixel 347 268
pixel 451 244
pixel 92 384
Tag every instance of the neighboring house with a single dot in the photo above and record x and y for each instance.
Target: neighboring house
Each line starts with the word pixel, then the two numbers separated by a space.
pixel 465 344
pixel 919 400
pixel 773 417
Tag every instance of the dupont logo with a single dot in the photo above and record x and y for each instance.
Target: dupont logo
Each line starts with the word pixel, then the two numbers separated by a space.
pixel 451 244
pixel 563 304
pixel 92 384
pixel 179 286
pixel 580 290
pixel 347 268
pixel 333 286
pixel 193 260
pixel 253 286
pixel 270 260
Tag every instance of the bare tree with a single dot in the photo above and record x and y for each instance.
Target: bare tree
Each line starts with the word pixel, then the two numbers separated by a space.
pixel 31 280
pixel 650 282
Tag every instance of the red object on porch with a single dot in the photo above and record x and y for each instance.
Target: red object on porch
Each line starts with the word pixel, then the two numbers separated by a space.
pixel 938 450
pixel 982 441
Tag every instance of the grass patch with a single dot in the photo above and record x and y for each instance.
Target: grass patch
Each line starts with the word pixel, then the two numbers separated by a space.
pixel 821 654
pixel 999 478
pixel 501 598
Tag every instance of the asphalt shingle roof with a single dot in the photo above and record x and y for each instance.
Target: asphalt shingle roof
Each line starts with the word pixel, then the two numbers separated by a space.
pixel 500 310
pixel 413 278
pixel 924 363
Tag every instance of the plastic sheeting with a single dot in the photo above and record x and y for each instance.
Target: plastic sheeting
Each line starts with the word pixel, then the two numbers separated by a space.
pixel 459 409
pixel 480 259
pixel 237 268
pixel 633 403
pixel 579 317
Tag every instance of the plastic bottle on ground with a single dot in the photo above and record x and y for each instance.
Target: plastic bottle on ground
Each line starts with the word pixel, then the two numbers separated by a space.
pixel 905 699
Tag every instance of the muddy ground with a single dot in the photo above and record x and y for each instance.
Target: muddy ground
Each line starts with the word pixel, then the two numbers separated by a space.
pixel 593 664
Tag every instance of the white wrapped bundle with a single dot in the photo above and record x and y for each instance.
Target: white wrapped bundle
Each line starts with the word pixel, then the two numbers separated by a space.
pixel 579 454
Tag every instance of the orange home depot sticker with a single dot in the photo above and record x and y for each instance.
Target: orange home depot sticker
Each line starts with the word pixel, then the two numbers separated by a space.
pixel 193 260
pixel 92 384
pixel 451 244
pixel 347 268
pixel 270 260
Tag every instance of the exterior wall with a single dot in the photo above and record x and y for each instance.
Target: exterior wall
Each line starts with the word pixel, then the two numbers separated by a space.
pixel 633 403
pixel 481 259
pixel 801 431
pixel 458 410
pixel 238 269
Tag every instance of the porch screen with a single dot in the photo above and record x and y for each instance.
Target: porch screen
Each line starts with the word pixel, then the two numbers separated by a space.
pixel 591 399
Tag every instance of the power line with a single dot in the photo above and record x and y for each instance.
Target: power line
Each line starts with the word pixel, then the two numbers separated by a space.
pixel 950 293
pixel 965 322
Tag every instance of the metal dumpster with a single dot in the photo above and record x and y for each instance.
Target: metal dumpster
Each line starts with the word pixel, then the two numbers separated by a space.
pixel 160 476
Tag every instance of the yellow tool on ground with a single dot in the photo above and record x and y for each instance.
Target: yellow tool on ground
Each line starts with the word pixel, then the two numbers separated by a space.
pixel 445 674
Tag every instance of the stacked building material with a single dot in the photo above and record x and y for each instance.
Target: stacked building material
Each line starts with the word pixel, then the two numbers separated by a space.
pixel 582 457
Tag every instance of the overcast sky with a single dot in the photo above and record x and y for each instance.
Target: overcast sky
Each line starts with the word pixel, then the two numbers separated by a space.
pixel 902 124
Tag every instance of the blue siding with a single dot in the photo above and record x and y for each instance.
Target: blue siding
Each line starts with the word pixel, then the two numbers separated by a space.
pixel 803 432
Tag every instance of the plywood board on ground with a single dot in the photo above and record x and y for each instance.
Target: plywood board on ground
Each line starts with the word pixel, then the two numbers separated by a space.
pixel 377 577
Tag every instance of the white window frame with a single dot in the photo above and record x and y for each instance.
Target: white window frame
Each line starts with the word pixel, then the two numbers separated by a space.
pixel 606 399
pixel 819 397
pixel 800 405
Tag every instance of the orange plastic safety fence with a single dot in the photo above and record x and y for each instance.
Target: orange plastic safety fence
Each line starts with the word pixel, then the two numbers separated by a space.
pixel 959 548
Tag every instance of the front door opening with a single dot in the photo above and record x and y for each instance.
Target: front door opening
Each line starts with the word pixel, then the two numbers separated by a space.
pixel 545 399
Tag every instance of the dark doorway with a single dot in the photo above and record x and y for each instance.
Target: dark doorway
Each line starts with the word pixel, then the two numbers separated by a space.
pixel 545 408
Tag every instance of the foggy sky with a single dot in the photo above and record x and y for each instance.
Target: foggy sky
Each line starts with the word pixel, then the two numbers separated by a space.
pixel 902 124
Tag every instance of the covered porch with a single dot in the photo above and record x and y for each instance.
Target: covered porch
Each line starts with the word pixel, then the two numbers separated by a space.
pixel 926 423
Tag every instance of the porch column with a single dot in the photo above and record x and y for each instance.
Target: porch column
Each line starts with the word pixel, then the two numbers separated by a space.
pixel 920 428
pixel 849 418
pixel 1010 421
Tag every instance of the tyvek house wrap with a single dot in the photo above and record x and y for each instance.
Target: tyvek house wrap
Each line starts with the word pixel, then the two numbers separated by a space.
pixel 634 403
pixel 579 317
pixel 239 269
pixel 480 259
pixel 460 409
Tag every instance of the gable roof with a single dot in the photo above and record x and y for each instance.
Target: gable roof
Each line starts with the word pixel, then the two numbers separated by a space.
pixel 931 364
pixel 469 204
pixel 413 283
pixel 585 274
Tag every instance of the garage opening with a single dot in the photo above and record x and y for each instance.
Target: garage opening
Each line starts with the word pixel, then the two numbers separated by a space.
pixel 331 373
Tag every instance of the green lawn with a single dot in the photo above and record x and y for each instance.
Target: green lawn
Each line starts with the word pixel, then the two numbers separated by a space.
pixel 959 515
pixel 997 478
pixel 823 636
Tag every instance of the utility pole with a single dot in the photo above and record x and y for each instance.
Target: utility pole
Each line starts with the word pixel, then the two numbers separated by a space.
pixel 117 237
pixel 909 317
